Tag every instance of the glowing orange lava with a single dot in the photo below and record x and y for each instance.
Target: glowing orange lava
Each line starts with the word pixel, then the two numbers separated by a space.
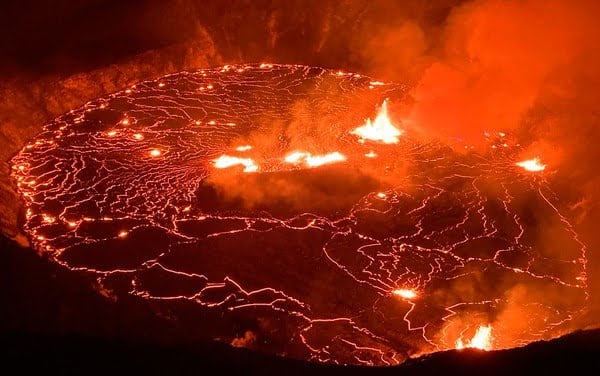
pixel 380 130
pixel 296 157
pixel 226 161
pixel 319 160
pixel 401 230
pixel 481 340
pixel 405 293
pixel 533 165
pixel 155 153
pixel 48 219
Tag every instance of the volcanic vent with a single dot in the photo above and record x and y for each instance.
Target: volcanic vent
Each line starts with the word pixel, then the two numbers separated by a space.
pixel 284 208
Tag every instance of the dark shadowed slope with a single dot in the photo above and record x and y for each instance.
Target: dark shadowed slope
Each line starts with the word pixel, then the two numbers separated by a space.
pixel 45 326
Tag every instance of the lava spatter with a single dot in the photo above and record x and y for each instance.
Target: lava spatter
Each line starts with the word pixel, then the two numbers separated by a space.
pixel 255 197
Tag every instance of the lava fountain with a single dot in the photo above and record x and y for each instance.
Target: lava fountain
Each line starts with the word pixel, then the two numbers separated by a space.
pixel 533 165
pixel 380 130
pixel 481 340
pixel 256 199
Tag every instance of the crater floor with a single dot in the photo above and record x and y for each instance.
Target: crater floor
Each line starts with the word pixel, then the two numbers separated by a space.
pixel 396 250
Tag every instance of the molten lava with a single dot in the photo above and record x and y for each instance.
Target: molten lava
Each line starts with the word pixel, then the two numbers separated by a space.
pixel 155 153
pixel 226 161
pixel 335 264
pixel 319 160
pixel 533 165
pixel 481 340
pixel 405 293
pixel 380 130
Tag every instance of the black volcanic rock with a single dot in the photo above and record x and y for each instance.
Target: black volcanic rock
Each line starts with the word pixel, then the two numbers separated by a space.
pixel 55 321
pixel 575 352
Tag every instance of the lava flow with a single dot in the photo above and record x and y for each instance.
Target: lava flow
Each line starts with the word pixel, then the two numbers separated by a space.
pixel 252 204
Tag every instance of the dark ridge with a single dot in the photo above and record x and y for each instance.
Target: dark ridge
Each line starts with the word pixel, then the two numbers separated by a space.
pixel 54 320
pixel 91 355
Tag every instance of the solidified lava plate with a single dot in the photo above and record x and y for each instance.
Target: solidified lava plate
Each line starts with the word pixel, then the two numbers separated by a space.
pixel 244 203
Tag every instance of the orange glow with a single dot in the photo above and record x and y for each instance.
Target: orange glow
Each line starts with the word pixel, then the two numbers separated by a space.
pixel 155 153
pixel 226 161
pixel 48 219
pixel 423 247
pixel 481 340
pixel 533 165
pixel 319 160
pixel 314 160
pixel 380 130
pixel 405 293
pixel 296 157
pixel 125 122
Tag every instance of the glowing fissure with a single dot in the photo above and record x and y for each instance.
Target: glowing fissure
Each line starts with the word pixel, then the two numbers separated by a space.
pixel 371 284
